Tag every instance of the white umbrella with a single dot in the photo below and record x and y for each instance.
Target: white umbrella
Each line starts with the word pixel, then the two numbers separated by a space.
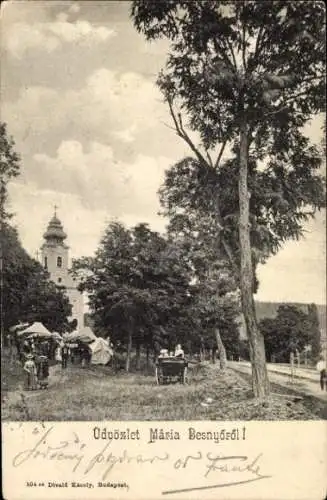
pixel 36 330
pixel 19 326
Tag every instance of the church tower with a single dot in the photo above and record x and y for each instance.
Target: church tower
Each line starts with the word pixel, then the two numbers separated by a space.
pixel 55 259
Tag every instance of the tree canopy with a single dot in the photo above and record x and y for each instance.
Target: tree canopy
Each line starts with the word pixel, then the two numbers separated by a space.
pixel 266 58
pixel 246 76
pixel 9 168
pixel 280 203
pixel 141 290
pixel 28 294
pixel 287 332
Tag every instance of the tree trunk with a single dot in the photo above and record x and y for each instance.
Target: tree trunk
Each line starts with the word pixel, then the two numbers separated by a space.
pixel 260 382
pixel 201 351
pixel 138 355
pixel 221 350
pixel 147 356
pixel 213 355
pixel 129 350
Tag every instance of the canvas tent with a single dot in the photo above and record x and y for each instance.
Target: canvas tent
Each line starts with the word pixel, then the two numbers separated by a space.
pixel 101 352
pixel 36 330
pixel 84 335
pixel 57 337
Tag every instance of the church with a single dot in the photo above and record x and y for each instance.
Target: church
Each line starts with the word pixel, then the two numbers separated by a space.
pixel 55 259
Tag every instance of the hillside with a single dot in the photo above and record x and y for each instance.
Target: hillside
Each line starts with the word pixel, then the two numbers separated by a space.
pixel 269 310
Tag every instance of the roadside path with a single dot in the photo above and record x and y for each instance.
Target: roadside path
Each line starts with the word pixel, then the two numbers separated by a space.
pixel 308 385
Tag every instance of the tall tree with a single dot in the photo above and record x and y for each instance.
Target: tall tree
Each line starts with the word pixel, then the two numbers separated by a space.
pixel 287 332
pixel 217 308
pixel 247 74
pixel 28 294
pixel 9 168
pixel 314 329
pixel 138 286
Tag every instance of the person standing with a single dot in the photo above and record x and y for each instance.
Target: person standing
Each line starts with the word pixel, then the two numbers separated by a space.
pixel 64 356
pixel 43 371
pixel 58 356
pixel 26 348
pixel 31 375
pixel 179 353
pixel 321 368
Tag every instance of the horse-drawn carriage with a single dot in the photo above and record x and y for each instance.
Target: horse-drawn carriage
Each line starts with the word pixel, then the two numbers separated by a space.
pixel 171 370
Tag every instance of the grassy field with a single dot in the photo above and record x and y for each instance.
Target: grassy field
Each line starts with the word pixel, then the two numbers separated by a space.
pixel 96 393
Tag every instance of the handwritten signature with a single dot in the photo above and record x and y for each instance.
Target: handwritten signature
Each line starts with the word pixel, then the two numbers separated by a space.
pixel 75 452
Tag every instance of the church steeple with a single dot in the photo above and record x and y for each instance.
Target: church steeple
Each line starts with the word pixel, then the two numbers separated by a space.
pixel 54 253
pixel 55 233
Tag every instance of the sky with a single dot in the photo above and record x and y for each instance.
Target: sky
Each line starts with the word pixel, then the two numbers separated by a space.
pixel 80 100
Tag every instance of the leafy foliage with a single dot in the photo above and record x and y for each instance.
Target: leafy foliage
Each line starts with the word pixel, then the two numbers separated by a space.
pixel 9 168
pixel 281 197
pixel 267 58
pixel 290 330
pixel 315 334
pixel 136 282
pixel 28 294
pixel 247 75
pixel 141 285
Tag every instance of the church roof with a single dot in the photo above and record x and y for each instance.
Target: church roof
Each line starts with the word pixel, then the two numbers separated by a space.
pixel 55 230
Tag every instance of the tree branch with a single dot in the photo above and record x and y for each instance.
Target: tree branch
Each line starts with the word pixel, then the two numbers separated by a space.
pixel 224 143
pixel 293 98
pixel 223 55
pixel 286 103
pixel 232 54
pixel 257 48
pixel 220 153
pixel 311 78
pixel 183 134
pixel 243 47
pixel 209 158
pixel 169 126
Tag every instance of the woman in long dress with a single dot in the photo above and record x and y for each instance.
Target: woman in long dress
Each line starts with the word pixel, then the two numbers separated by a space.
pixel 43 372
pixel 30 373
pixel 58 356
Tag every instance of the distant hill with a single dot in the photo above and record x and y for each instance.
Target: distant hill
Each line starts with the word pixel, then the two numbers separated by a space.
pixel 269 310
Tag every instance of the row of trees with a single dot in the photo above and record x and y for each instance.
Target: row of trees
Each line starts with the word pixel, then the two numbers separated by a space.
pixel 143 289
pixel 27 294
pixel 246 77
pixel 293 329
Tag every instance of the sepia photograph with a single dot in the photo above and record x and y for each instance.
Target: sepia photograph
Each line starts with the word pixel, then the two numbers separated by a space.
pixel 163 213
